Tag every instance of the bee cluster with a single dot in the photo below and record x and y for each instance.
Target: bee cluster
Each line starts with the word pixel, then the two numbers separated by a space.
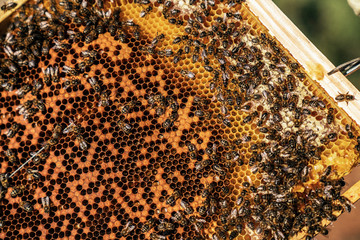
pixel 162 120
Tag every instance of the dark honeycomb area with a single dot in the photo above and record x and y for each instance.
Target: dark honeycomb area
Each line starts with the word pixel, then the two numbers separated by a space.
pixel 163 120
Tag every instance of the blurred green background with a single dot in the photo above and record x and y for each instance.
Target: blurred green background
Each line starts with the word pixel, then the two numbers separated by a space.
pixel 331 26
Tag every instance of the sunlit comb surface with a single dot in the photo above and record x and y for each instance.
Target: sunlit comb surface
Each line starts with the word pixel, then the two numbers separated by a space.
pixel 163 120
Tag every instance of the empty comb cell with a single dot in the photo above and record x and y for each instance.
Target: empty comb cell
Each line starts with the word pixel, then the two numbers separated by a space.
pixel 169 120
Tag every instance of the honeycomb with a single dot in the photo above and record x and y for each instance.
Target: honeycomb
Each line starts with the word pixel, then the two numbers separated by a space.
pixel 163 120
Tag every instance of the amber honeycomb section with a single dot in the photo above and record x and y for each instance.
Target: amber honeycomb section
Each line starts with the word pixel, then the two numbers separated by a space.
pixel 165 121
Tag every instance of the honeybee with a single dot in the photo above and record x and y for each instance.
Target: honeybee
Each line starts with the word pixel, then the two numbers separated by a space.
pixel 127 107
pixel 17 191
pixel 72 128
pixel 13 130
pixel 148 225
pixel 349 67
pixel 178 217
pixel 11 156
pixel 9 85
pixel 202 164
pixel 11 66
pixel 8 6
pixel 155 236
pixel 39 104
pixel 32 174
pixel 25 205
pixel 2 192
pixel 46 204
pixel 70 71
pixel 51 142
pixel 192 150
pixel 47 75
pixel 23 90
pixel 127 229
pixel 56 131
pixel 4 177
pixel 188 74
pixel 173 197
pixel 166 226
pixel 71 83
pixel 126 128
pixel 83 144
pixel 37 85
pixel 345 97
pixel 198 223
pixel 94 84
pixel 88 53
pixel 104 99
pixel 186 206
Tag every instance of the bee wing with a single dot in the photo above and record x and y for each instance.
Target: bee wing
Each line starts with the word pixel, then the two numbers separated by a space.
pixel 347 68
pixel 68 128
pixel 56 70
pixel 43 201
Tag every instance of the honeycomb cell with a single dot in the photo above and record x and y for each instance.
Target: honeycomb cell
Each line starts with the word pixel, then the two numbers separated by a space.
pixel 163 120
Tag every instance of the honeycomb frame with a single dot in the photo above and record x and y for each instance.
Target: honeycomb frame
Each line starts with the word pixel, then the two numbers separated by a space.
pixel 185 144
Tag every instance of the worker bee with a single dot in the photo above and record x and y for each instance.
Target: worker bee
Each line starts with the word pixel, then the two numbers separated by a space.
pixel 178 217
pixel 32 174
pixel 17 191
pixel 345 97
pixel 186 206
pixel 70 71
pixel 197 222
pixel 127 229
pixel 166 226
pixel 54 74
pixel 11 66
pixel 148 225
pixel 4 177
pixel 1 222
pixel 11 156
pixel 72 127
pixel 30 112
pixel 37 158
pixel 146 11
pixel 13 130
pixel 8 6
pixel 45 47
pixel 202 164
pixel 94 84
pixel 47 75
pixel 37 85
pixel 23 90
pixel 192 150
pixel 155 236
pixel 46 204
pixel 125 127
pixel 167 123
pixel 188 74
pixel 104 99
pixel 219 170
pixel 83 144
pixel 56 131
pixel 173 197
pixel 39 104
pixel 25 205
pixel 9 85
pixel 71 83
